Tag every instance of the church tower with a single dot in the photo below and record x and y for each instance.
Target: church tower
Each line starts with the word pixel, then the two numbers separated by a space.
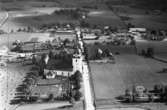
pixel 77 63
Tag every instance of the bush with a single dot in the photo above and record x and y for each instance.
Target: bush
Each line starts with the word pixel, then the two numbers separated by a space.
pixel 150 52
pixel 51 97
pixel 78 95
pixel 143 53
pixel 77 85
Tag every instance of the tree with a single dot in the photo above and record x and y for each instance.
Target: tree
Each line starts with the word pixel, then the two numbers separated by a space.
pixel 51 97
pixel 84 24
pixel 34 60
pixel 42 64
pixel 72 100
pixel 78 76
pixel 150 52
pixel 19 30
pixel 51 55
pixel 143 53
pixel 17 48
pixel 78 95
pixel 66 41
pixel 11 31
pixel 77 85
pixel 130 25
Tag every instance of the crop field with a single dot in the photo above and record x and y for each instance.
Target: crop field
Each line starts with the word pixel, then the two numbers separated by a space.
pixel 111 80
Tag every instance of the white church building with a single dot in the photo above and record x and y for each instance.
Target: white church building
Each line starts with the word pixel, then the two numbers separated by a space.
pixel 76 65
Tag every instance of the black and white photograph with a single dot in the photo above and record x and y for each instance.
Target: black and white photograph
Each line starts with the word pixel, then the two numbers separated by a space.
pixel 83 54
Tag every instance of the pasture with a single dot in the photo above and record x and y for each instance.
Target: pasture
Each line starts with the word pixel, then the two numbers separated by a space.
pixel 111 80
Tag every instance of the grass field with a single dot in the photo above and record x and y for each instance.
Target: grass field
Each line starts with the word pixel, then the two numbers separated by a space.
pixel 111 80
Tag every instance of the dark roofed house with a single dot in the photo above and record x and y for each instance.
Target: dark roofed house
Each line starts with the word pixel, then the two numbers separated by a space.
pixel 57 67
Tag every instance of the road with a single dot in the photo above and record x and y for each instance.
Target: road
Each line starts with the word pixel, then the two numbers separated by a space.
pixel 89 102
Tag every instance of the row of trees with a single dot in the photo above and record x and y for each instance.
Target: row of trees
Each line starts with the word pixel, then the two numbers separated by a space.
pixel 74 13
pixel 76 80
pixel 23 91
pixel 148 53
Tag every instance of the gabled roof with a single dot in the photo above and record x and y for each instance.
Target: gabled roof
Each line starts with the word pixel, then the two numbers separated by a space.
pixel 59 64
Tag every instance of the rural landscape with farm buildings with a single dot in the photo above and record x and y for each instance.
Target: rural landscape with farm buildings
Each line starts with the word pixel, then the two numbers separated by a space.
pixel 83 54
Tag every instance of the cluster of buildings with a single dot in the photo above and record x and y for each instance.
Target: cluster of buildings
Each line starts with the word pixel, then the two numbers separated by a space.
pixel 60 63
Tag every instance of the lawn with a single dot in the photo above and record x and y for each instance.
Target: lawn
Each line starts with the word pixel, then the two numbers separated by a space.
pixel 111 80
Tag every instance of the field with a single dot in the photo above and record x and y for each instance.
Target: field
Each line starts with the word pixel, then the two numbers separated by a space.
pixel 140 17
pixel 37 21
pixel 92 49
pixel 33 17
pixel 104 18
pixel 111 80
pixel 22 5
pixel 8 39
pixel 116 13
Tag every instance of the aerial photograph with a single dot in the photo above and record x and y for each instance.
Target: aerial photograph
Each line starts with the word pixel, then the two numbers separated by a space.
pixel 83 54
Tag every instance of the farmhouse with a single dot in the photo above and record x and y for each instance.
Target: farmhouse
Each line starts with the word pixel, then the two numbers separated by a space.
pixel 64 35
pixel 140 30
pixel 90 36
